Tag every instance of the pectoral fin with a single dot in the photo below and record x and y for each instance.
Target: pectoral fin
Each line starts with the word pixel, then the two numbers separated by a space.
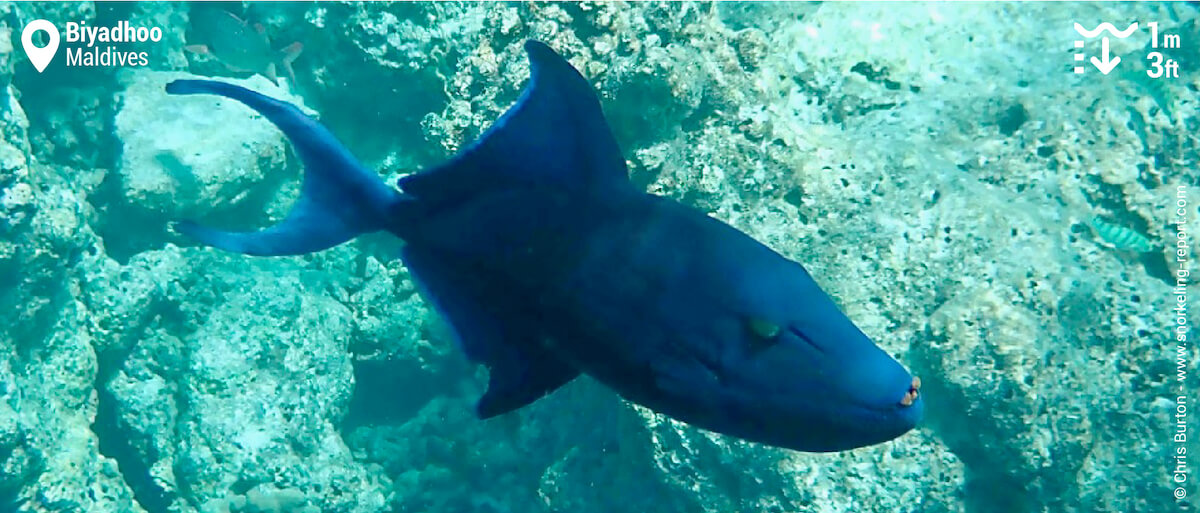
pixel 518 377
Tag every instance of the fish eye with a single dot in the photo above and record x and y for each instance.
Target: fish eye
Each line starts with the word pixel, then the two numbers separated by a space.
pixel 762 328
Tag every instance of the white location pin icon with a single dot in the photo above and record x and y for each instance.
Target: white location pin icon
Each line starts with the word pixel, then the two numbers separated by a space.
pixel 40 57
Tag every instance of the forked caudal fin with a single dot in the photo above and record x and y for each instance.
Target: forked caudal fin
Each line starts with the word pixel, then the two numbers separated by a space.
pixel 339 198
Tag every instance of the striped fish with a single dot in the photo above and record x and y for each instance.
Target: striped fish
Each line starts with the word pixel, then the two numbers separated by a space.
pixel 1122 237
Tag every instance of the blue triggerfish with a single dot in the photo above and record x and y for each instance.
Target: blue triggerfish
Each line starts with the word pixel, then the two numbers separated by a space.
pixel 547 262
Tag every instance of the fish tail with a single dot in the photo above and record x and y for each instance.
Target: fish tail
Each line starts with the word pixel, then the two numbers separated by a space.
pixel 287 55
pixel 290 52
pixel 339 200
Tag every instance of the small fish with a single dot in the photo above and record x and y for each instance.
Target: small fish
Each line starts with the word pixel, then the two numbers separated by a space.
pixel 241 46
pixel 549 263
pixel 1123 238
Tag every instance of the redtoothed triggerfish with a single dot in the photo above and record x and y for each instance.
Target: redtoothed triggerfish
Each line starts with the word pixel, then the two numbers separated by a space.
pixel 547 262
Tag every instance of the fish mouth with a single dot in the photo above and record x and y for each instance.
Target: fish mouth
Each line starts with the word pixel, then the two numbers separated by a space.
pixel 913 393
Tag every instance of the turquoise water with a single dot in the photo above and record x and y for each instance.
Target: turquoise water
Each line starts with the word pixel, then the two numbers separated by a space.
pixel 1010 230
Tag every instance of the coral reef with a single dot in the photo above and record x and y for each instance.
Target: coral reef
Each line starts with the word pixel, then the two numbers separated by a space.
pixel 937 174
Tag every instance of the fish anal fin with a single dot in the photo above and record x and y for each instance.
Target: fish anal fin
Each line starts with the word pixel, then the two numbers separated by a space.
pixel 490 331
pixel 527 374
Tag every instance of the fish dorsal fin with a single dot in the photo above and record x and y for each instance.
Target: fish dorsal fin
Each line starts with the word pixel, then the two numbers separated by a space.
pixel 555 134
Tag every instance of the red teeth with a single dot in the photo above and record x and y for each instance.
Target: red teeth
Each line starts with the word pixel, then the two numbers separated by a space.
pixel 912 392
